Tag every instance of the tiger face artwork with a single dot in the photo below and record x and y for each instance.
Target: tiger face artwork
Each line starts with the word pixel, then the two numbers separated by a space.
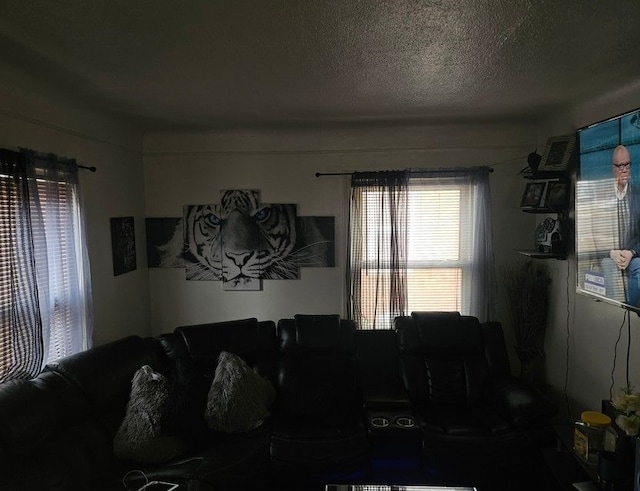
pixel 242 241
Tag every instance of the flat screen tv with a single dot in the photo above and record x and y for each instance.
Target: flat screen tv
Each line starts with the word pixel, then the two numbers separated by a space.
pixel 607 211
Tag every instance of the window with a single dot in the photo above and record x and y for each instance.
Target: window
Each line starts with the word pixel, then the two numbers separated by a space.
pixel 44 282
pixel 417 248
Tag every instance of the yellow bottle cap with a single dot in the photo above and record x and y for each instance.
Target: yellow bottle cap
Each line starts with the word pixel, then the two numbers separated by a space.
pixel 594 418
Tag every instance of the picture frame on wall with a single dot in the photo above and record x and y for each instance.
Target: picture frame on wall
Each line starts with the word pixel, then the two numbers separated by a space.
pixel 556 195
pixel 533 194
pixel 557 153
pixel 123 245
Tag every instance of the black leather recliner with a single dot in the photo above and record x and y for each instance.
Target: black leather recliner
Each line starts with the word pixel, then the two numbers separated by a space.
pixel 470 409
pixel 318 433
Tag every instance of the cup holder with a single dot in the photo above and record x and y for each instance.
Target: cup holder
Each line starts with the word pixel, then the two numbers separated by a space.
pixel 379 422
pixel 405 422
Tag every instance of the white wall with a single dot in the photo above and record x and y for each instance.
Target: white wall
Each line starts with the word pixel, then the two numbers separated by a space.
pixel 581 339
pixel 35 116
pixel 193 168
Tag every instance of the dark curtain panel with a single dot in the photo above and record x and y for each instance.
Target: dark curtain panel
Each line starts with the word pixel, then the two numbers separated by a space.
pixel 21 346
pixel 377 265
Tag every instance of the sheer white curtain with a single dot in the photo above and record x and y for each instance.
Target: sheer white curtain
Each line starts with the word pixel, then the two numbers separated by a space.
pixel 482 271
pixel 45 287
pixel 62 264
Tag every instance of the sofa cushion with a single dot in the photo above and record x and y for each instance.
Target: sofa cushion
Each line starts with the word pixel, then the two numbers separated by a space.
pixel 142 436
pixel 239 399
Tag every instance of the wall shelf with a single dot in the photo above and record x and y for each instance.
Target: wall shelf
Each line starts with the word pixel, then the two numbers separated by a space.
pixel 542 210
pixel 542 255
pixel 549 197
pixel 545 175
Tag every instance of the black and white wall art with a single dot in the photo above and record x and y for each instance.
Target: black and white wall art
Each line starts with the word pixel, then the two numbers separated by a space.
pixel 241 241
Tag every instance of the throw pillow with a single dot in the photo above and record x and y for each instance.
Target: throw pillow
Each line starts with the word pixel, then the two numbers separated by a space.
pixel 239 398
pixel 141 436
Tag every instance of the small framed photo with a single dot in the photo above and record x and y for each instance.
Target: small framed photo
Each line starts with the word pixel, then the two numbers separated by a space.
pixel 557 153
pixel 123 245
pixel 533 193
pixel 556 197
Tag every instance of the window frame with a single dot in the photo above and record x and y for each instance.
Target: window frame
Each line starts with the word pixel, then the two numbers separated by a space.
pixel 463 264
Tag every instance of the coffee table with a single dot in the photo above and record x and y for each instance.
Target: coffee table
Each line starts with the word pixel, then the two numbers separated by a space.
pixel 391 487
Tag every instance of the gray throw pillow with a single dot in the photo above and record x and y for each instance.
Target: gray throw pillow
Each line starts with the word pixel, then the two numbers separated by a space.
pixel 141 436
pixel 239 398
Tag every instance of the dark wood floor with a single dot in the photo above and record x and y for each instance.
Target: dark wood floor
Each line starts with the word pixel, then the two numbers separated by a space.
pixel 530 475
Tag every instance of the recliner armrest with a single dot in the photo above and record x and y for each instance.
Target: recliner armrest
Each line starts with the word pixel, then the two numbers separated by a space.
pixel 385 398
pixel 518 403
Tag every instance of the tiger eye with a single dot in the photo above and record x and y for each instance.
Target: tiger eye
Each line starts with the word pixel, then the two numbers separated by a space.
pixel 262 214
pixel 213 220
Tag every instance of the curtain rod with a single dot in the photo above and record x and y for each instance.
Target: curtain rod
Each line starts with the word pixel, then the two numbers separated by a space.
pixel 89 168
pixel 417 171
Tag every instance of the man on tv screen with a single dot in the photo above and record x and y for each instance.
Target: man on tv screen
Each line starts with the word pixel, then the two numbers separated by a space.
pixel 616 231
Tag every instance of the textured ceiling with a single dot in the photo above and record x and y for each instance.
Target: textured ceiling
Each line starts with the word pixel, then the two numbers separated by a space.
pixel 214 63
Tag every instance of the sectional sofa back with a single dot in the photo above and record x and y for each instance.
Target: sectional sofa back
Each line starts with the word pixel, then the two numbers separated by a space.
pixel 198 346
pixel 103 375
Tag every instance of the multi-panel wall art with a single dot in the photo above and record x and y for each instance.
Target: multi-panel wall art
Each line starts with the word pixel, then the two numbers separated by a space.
pixel 241 241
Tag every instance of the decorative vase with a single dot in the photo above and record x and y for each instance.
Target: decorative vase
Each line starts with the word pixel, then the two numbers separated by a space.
pixel 531 364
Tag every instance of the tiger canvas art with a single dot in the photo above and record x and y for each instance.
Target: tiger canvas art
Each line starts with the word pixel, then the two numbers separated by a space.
pixel 242 241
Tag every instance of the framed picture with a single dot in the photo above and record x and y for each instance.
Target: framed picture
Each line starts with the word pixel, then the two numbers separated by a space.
pixel 533 193
pixel 123 245
pixel 557 153
pixel 556 197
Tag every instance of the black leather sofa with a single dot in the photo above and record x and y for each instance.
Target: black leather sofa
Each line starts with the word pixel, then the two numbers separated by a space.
pixel 344 411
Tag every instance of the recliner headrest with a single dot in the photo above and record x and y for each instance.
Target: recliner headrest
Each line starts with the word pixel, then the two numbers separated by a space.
pixel 317 331
pixel 447 332
pixel 446 318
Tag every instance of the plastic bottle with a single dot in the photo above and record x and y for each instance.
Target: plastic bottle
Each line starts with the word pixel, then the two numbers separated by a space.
pixel 589 435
